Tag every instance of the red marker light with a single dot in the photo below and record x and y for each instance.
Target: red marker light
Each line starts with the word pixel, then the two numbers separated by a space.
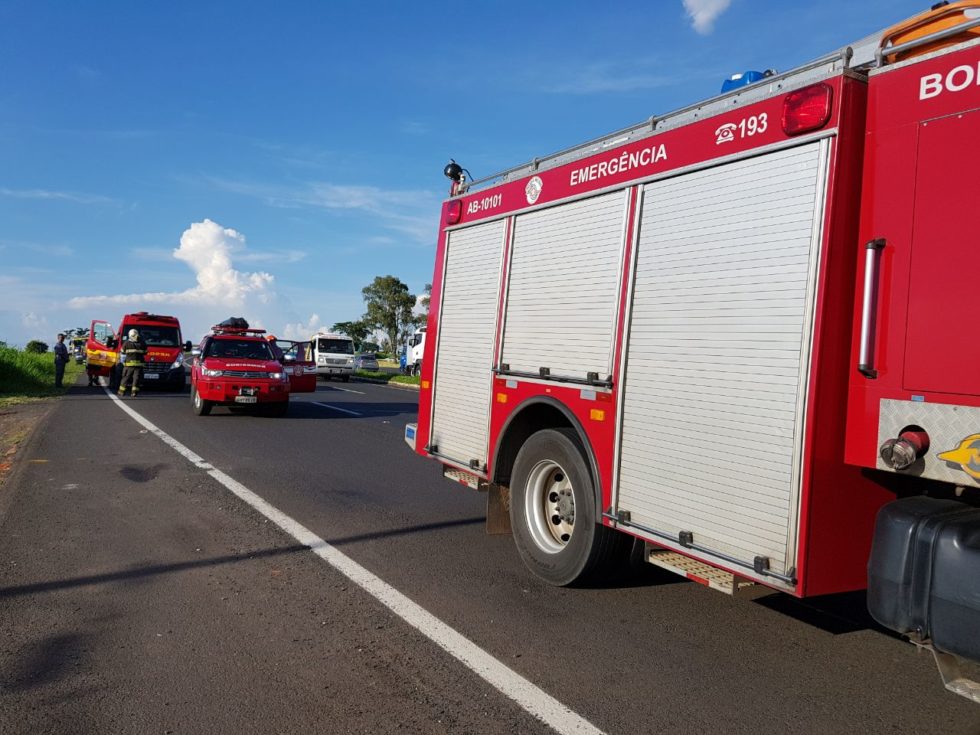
pixel 454 212
pixel 807 109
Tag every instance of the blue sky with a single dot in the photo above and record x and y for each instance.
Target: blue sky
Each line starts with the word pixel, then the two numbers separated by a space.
pixel 209 159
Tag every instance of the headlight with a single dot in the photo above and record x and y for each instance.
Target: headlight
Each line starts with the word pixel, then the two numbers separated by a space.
pixel 208 373
pixel 350 360
pixel 276 376
pixel 178 362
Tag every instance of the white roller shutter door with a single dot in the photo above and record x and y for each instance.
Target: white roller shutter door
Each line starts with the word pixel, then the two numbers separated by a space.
pixel 718 353
pixel 464 353
pixel 563 287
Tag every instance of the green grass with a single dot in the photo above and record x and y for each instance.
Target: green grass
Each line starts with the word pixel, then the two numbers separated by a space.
pixel 26 375
pixel 387 377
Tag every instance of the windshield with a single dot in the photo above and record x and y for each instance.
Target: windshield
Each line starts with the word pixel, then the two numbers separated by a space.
pixel 241 348
pixel 159 336
pixel 335 346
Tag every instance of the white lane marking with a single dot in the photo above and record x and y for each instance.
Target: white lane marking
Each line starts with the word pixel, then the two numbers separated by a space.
pixel 336 408
pixel 535 701
pixel 347 390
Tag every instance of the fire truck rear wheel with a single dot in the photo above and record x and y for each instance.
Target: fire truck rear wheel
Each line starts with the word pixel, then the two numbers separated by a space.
pixel 201 406
pixel 553 511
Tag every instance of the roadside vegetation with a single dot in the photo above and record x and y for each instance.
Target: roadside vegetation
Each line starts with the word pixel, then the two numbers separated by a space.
pixel 29 375
pixel 381 377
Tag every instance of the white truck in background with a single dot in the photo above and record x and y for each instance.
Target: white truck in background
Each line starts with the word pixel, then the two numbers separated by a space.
pixel 411 356
pixel 333 354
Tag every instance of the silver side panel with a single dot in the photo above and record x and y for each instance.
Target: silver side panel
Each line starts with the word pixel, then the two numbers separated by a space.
pixel 464 353
pixel 954 433
pixel 718 353
pixel 563 287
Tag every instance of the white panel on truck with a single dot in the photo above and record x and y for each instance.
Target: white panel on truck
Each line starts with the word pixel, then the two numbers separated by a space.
pixel 718 353
pixel 464 353
pixel 563 287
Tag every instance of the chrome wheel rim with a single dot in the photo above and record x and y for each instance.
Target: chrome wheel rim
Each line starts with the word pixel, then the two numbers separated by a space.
pixel 549 506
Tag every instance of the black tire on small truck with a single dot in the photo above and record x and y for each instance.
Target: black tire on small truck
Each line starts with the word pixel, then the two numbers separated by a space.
pixel 553 512
pixel 201 406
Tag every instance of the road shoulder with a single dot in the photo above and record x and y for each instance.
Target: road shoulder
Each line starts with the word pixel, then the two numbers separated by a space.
pixel 20 426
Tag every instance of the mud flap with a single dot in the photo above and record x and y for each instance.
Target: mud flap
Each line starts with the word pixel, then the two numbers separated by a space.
pixel 498 510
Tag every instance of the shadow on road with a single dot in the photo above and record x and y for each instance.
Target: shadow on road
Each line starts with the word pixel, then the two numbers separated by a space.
pixel 836 614
pixel 155 569
pixel 44 661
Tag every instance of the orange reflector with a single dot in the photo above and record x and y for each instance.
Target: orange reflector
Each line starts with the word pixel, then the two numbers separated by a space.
pixel 597 414
pixel 501 398
pixel 696 578
pixel 425 384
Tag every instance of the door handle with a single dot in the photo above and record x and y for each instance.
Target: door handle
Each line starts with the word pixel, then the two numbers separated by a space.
pixel 869 307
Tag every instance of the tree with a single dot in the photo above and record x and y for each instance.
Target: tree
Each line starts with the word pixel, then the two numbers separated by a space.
pixel 425 299
pixel 76 332
pixel 36 346
pixel 389 306
pixel 357 331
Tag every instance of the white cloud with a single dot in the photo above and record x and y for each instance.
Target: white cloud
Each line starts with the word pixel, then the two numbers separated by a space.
pixel 274 256
pixel 34 321
pixel 38 247
pixel 412 212
pixel 414 127
pixel 208 249
pixel 301 331
pixel 703 13
pixel 607 76
pixel 66 196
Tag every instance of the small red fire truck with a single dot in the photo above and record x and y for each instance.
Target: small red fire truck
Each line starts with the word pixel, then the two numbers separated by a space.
pixel 165 349
pixel 736 336
pixel 239 366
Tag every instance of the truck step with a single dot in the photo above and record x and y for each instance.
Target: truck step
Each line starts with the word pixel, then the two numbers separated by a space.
pixel 698 571
pixel 461 476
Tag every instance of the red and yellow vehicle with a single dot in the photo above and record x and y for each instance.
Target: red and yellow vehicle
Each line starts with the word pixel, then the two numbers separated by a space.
pixel 164 360
pixel 732 339
pixel 238 366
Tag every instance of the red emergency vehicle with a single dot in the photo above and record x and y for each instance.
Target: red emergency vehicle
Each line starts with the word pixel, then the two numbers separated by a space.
pixel 239 366
pixel 164 360
pixel 735 336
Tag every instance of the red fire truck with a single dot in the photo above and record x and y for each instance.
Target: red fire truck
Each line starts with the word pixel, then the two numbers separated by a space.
pixel 165 349
pixel 238 366
pixel 736 338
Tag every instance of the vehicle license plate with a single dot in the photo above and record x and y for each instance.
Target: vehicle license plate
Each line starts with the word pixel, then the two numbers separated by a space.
pixel 246 399
pixel 151 376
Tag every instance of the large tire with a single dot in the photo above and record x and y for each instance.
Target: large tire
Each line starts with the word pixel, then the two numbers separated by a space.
pixel 553 512
pixel 201 406
pixel 345 378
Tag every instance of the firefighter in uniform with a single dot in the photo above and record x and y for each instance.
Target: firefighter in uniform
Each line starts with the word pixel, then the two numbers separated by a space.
pixel 132 353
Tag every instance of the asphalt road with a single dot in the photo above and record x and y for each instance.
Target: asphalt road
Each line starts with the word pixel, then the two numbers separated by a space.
pixel 137 594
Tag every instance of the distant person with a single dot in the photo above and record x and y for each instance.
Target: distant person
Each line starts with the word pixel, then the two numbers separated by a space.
pixel 133 351
pixel 60 360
